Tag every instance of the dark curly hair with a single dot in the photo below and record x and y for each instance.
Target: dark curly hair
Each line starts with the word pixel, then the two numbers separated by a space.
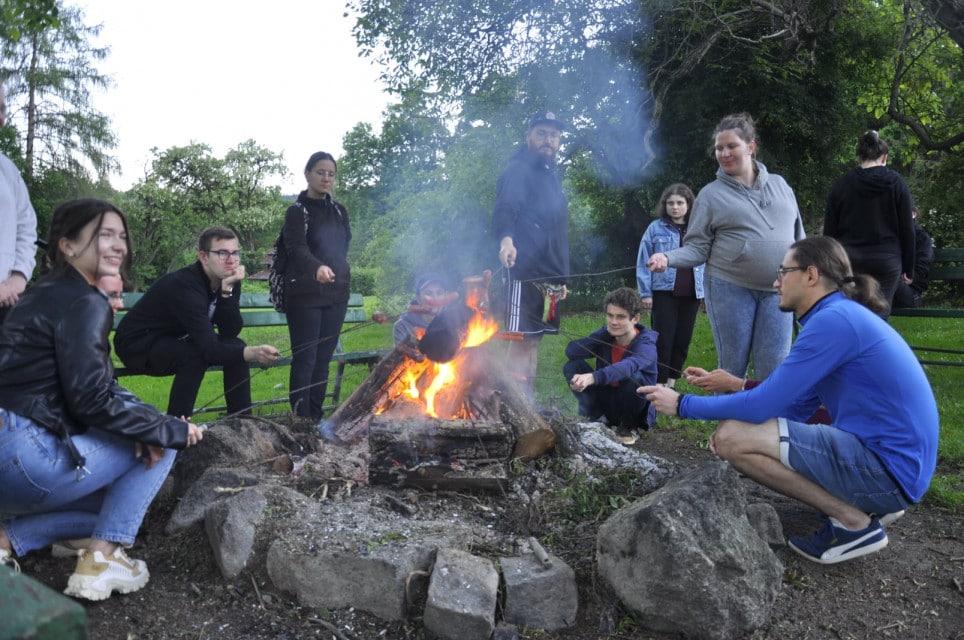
pixel 625 298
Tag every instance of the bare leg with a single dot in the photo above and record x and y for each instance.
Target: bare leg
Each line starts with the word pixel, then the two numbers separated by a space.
pixel 754 450
pixel 522 360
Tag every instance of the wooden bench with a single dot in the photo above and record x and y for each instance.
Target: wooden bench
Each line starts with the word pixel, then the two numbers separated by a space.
pixel 948 266
pixel 257 311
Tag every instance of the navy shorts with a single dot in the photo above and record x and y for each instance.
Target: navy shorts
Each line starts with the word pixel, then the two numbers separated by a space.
pixel 840 463
pixel 531 307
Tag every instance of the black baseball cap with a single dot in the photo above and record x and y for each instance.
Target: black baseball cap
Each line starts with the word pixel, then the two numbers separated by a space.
pixel 547 117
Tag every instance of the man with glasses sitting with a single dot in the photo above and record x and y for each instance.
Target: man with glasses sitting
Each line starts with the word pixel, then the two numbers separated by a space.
pixel 878 455
pixel 189 320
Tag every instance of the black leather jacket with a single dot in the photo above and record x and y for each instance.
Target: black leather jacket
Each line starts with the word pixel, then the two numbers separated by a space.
pixel 55 367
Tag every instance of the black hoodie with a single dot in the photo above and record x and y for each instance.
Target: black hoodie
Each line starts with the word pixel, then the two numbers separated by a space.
pixel 871 208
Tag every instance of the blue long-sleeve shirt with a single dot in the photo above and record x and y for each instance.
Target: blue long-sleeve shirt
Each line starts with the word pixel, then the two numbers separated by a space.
pixel 855 364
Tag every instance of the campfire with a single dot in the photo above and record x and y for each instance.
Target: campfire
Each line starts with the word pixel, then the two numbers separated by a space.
pixel 450 420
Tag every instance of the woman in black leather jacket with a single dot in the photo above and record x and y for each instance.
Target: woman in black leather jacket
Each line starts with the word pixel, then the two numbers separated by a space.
pixel 79 455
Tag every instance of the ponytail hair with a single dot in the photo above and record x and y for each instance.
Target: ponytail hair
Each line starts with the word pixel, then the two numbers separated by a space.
pixel 870 146
pixel 831 261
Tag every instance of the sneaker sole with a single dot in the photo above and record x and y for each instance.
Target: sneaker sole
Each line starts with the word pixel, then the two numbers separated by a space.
pixel 846 555
pixel 891 518
pixel 100 588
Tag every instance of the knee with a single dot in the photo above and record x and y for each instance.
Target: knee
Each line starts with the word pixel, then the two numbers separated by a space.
pixel 728 438
pixel 573 367
pixel 193 366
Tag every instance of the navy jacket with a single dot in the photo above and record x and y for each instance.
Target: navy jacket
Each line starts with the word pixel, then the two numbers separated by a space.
pixel 325 243
pixel 639 358
pixel 531 208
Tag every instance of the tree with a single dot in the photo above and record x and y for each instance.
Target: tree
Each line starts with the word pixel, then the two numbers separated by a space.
pixel 188 189
pixel 19 15
pixel 50 74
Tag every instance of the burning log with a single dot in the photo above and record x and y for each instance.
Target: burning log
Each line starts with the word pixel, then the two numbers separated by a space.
pixel 483 392
pixel 450 330
pixel 439 454
pixel 446 332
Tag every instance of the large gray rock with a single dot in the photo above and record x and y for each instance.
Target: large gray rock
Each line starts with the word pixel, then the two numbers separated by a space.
pixel 360 554
pixel 462 595
pixel 231 526
pixel 686 560
pixel 213 486
pixel 539 595
pixel 377 582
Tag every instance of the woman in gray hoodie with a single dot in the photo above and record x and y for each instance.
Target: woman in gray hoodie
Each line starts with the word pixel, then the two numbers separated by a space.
pixel 741 226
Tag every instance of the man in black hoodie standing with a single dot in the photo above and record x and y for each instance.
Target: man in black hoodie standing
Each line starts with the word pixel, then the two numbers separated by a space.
pixel 189 320
pixel 531 221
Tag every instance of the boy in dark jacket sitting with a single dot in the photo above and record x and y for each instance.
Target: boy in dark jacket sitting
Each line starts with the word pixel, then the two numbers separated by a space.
pixel 625 353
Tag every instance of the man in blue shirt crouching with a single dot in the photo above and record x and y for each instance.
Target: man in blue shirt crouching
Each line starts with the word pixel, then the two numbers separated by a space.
pixel 878 456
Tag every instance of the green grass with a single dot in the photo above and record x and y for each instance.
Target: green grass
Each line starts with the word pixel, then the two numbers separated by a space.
pixel 946 489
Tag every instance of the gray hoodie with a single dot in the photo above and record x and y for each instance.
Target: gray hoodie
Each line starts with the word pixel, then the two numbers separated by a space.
pixel 741 233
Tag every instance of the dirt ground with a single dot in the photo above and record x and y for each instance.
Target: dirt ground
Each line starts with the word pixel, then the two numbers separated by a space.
pixel 913 589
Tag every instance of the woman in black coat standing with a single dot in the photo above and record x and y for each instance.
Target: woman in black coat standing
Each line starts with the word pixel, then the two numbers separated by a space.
pixel 869 212
pixel 318 283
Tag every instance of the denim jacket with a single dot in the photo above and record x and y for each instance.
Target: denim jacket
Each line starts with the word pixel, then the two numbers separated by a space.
pixel 661 237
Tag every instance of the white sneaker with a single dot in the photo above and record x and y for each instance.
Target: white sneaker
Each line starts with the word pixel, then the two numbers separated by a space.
pixel 97 576
pixel 6 557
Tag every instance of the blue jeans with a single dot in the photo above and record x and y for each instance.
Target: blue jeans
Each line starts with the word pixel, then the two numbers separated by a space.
pixel 840 463
pixel 45 499
pixel 744 321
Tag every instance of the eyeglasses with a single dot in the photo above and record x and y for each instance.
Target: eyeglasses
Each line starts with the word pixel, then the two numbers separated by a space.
pixel 115 296
pixel 323 173
pixel 782 271
pixel 224 255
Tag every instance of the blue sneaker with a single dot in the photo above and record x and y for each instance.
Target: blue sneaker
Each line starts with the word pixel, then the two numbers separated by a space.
pixel 832 543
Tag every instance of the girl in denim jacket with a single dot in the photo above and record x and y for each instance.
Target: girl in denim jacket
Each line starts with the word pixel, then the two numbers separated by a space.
pixel 674 295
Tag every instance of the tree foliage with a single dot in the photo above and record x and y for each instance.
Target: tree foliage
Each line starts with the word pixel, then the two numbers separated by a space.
pixel 49 75
pixel 188 188
pixel 17 16
pixel 644 83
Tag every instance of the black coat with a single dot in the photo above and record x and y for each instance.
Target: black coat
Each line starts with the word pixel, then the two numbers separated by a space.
pixel 177 306
pixel 55 367
pixel 325 243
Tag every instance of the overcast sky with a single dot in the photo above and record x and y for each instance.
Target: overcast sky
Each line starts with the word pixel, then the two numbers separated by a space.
pixel 285 73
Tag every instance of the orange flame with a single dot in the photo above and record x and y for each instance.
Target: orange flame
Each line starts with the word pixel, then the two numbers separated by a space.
pixel 433 378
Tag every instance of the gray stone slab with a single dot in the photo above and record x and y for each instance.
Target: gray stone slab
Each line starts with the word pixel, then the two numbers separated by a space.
pixel 462 596
pixel 539 595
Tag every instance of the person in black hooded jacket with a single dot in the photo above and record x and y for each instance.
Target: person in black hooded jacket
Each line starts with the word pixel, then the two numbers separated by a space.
pixel 531 222
pixel 80 456
pixel 869 213
pixel 318 283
